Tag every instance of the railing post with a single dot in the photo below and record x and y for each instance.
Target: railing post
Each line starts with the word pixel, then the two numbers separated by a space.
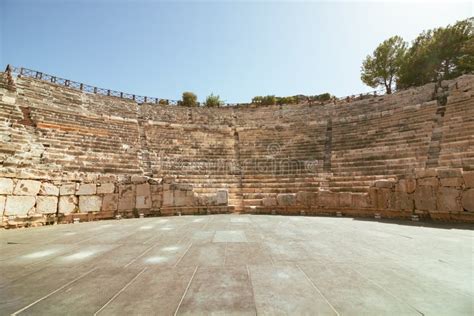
pixel 133 97
pixel 95 90
pixel 121 95
pixel 108 92
pixel 145 99
pixel 82 86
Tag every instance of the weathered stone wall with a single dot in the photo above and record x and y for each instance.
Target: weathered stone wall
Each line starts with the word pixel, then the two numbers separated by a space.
pixel 26 202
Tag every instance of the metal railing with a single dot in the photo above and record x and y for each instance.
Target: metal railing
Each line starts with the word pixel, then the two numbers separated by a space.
pixel 29 73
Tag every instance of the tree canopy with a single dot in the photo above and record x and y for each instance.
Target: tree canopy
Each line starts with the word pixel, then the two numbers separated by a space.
pixel 383 67
pixel 438 54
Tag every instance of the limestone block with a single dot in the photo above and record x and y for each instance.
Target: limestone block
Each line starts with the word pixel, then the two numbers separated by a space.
pixel 143 202
pixel 86 189
pixel 47 204
pixel 286 199
pixel 403 201
pixel 67 204
pixel 3 199
pixel 179 198
pixel 67 189
pixel 360 200
pixel 305 198
pixel 110 202
pixel 222 197
pixel 372 196
pixel 468 200
pixel 468 179
pixel 406 185
pixel 425 198
pixel 90 203
pixel 126 203
pixel 328 199
pixel 431 181
pixel 384 183
pixel 190 198
pixel 106 188
pixel 48 189
pixel 139 179
pixel 20 205
pixel 27 187
pixel 156 189
pixel 210 199
pixel 345 199
pixel 449 200
pixel 449 173
pixel 6 186
pixel 384 199
pixel 269 201
pixel 425 173
pixel 127 190
pixel 451 182
pixel 168 198
pixel 143 189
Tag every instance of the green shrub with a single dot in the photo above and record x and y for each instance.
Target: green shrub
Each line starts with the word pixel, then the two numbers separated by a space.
pixel 266 100
pixel 213 101
pixel 189 99
pixel 163 102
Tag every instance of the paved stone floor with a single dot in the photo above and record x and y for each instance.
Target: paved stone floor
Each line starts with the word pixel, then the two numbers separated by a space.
pixel 237 264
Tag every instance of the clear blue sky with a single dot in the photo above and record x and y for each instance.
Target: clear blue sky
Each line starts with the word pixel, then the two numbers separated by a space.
pixel 234 49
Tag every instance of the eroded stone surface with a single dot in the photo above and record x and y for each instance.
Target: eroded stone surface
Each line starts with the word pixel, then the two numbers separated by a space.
pixel 27 187
pixel 67 204
pixel 48 189
pixel 6 186
pixel 47 204
pixel 90 203
pixel 20 205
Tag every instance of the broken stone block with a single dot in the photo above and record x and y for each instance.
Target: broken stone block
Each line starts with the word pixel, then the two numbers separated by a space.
pixel 110 202
pixel 27 187
pixel 67 189
pixel 86 189
pixel 425 198
pixel 468 177
pixel 222 197
pixel 106 188
pixel 48 189
pixel 90 203
pixel 47 204
pixel 67 204
pixel 468 200
pixel 6 186
pixel 451 182
pixel 143 202
pixel 286 199
pixel 449 200
pixel 384 199
pixel 20 205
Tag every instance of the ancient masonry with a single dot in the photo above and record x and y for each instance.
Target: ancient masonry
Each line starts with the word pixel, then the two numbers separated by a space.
pixel 67 155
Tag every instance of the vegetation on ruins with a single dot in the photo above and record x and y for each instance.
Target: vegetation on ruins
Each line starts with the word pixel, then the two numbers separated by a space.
pixel 188 99
pixel 383 67
pixel 439 54
pixel 164 102
pixel 271 99
pixel 213 101
pixel 435 55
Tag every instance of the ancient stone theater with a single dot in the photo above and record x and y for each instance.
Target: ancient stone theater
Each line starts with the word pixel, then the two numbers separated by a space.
pixel 69 152
pixel 349 206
